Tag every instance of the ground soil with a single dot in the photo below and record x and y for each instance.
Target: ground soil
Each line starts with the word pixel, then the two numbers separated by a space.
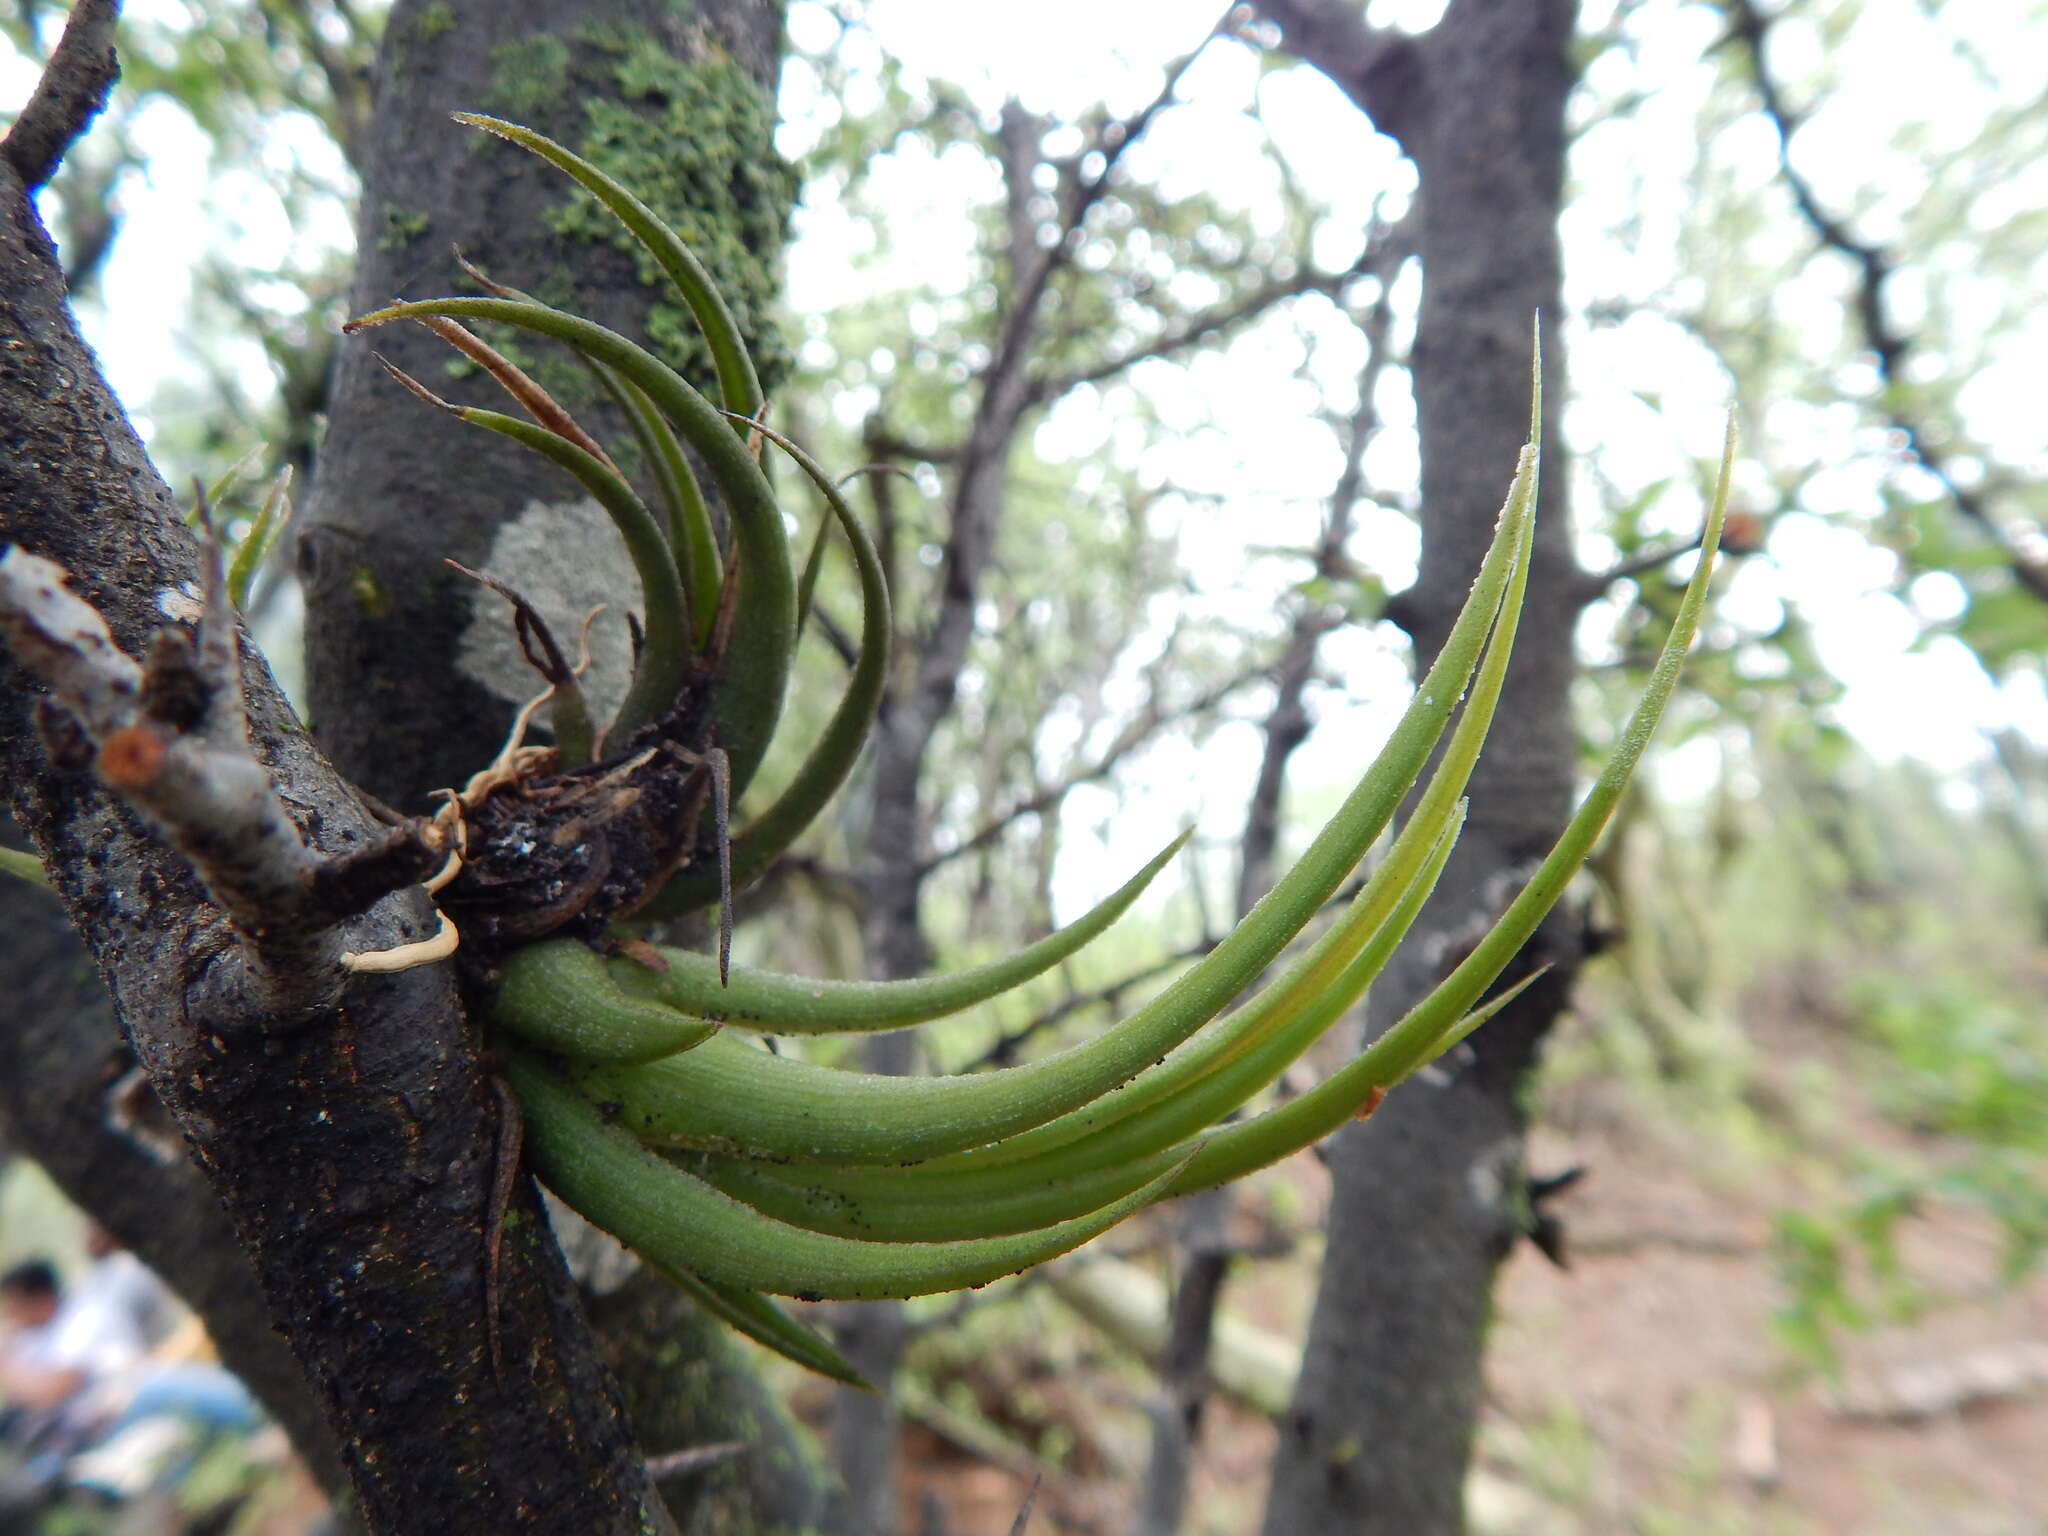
pixel 1644 1389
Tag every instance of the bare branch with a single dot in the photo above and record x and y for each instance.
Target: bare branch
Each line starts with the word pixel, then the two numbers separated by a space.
pixel 1593 583
pixel 1881 331
pixel 171 740
pixel 1197 328
pixel 70 94
pixel 64 641
pixel 883 443
pixel 1006 1048
pixel 1148 722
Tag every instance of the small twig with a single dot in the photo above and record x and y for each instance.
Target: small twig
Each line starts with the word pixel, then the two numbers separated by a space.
pixel 695 1459
pixel 72 91
pixel 1024 1514
pixel 1007 1046
pixel 1881 332
pixel 1148 723
pixel 1593 584
pixel 355 881
pixel 169 737
pixel 1385 251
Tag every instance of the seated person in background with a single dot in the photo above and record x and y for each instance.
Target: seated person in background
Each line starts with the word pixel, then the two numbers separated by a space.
pixel 87 1398
pixel 55 1352
pixel 119 1286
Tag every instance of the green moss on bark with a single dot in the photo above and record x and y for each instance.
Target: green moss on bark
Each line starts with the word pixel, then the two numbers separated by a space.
pixel 527 73
pixel 401 228
pixel 695 141
pixel 436 21
pixel 428 26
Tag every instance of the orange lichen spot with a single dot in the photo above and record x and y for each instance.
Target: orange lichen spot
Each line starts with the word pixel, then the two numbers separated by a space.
pixel 131 757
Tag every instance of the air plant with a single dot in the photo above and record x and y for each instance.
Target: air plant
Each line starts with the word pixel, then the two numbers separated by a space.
pixel 741 1173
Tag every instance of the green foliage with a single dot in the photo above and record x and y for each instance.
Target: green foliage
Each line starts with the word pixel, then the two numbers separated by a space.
pixel 1960 1063
pixel 1966 1058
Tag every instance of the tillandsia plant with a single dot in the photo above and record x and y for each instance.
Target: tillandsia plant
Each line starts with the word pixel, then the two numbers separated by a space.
pixel 652 1107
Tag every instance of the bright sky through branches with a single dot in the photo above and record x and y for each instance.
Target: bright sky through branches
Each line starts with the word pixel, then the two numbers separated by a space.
pixel 1648 394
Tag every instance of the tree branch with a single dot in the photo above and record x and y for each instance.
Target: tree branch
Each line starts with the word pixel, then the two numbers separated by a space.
pixel 1594 583
pixel 1148 722
pixel 1881 332
pixel 70 94
pixel 352 1156
pixel 172 740
pixel 1197 328
pixel 1379 70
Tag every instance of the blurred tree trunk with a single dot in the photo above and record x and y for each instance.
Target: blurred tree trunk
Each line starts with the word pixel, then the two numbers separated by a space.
pixel 1430 1193
pixel 63 1072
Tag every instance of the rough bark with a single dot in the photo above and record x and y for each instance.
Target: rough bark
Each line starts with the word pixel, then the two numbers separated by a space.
pixel 410 666
pixel 1429 1193
pixel 353 1151
pixel 411 669
pixel 62 1068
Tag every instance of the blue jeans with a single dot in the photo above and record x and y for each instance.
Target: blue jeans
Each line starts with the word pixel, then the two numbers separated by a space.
pixel 204 1394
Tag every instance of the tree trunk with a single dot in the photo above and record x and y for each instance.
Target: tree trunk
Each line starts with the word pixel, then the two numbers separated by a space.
pixel 1429 1193
pixel 63 1071
pixel 412 668
pixel 678 103
pixel 354 1152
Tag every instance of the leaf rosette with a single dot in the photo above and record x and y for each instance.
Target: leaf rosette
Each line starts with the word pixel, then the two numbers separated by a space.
pixel 653 1107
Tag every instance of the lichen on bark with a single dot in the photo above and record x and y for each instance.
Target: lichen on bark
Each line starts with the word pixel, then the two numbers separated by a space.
pixel 695 140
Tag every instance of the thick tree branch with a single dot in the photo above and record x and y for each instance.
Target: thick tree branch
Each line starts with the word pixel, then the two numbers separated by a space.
pixel 1881 331
pixel 72 91
pixel 1377 69
pixel 352 1154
